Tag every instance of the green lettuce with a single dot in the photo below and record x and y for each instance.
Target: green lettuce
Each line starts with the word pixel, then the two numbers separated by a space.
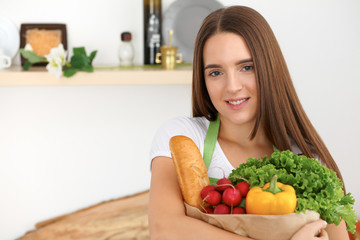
pixel 317 187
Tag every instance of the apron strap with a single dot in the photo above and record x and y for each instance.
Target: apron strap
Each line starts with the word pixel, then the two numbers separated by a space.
pixel 209 145
pixel 210 141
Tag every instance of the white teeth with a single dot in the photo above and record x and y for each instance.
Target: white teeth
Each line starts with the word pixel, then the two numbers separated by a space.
pixel 237 102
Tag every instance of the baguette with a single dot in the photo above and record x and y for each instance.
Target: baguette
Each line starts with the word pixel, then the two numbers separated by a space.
pixel 190 170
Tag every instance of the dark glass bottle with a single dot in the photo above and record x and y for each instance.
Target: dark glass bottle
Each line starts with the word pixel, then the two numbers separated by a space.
pixel 152 30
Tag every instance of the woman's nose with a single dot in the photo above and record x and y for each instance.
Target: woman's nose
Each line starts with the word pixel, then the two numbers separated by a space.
pixel 233 83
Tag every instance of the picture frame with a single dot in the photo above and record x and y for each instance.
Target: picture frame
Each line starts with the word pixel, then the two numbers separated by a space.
pixel 42 37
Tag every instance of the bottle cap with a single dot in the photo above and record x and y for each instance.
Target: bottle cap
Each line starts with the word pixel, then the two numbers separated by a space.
pixel 126 36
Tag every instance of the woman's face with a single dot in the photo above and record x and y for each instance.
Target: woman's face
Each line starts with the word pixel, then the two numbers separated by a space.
pixel 230 78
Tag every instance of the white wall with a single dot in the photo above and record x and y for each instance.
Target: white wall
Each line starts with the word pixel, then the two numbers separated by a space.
pixel 65 148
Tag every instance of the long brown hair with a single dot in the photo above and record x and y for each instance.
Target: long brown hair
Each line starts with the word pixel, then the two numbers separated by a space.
pixel 279 110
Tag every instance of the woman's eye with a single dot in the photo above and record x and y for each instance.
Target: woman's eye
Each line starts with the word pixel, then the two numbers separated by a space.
pixel 248 68
pixel 214 73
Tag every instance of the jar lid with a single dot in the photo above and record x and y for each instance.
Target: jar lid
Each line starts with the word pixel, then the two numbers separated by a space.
pixel 126 36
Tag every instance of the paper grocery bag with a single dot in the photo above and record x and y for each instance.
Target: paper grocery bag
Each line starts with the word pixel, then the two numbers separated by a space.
pixel 259 227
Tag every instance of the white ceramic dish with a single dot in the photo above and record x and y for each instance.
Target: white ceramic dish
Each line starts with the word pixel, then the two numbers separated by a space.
pixel 9 37
pixel 185 18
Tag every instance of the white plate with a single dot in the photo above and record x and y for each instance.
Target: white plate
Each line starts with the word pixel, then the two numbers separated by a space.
pixel 9 37
pixel 185 18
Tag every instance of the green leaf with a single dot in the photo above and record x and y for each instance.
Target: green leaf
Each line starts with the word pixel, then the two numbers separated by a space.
pixel 27 66
pixel 347 214
pixel 92 56
pixel 70 71
pixel 79 51
pixel 31 56
pixel 78 61
pixel 87 68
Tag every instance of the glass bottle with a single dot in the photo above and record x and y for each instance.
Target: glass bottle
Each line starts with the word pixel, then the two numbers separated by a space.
pixel 126 50
pixel 152 30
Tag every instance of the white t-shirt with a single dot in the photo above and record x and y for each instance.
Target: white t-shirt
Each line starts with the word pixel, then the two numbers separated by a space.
pixel 196 129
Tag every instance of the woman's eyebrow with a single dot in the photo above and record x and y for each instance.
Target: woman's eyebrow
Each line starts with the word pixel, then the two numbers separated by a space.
pixel 237 63
pixel 212 66
pixel 244 61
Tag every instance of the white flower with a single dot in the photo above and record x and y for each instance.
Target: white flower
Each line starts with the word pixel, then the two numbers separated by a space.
pixel 54 67
pixel 28 47
pixel 56 59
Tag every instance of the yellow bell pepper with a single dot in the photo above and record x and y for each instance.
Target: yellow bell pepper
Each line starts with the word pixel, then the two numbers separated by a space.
pixel 277 199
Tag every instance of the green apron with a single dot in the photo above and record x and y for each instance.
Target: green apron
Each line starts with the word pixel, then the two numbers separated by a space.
pixel 209 145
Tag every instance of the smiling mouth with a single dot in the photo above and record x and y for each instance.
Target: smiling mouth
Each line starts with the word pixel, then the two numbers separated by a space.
pixel 238 101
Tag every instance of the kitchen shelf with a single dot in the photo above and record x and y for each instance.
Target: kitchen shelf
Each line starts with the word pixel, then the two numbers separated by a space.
pixel 39 76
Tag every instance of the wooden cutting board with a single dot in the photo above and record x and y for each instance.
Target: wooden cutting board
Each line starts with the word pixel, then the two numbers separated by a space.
pixel 125 218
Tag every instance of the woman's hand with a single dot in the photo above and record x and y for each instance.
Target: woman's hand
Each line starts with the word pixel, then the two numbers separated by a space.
pixel 313 230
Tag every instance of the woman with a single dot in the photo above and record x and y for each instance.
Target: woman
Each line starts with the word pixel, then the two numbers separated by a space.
pixel 240 77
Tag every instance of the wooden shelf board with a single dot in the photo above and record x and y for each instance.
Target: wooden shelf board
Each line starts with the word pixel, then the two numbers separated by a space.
pixel 15 76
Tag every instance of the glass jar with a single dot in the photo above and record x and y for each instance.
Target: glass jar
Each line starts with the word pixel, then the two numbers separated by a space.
pixel 126 50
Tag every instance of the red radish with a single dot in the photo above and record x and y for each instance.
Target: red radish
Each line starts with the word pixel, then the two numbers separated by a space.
pixel 243 187
pixel 238 210
pixel 213 198
pixel 223 184
pixel 232 197
pixel 209 210
pixel 222 209
pixel 206 190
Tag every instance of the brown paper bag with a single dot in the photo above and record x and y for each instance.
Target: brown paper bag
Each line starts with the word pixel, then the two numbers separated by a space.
pixel 259 227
